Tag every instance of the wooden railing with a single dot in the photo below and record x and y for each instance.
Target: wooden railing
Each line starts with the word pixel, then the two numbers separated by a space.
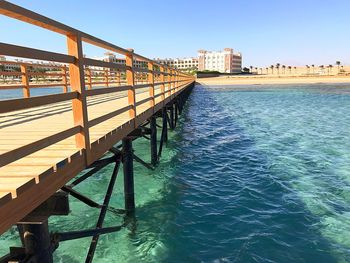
pixel 78 75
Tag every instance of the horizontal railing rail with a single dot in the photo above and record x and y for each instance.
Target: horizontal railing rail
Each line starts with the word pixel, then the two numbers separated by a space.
pixel 79 76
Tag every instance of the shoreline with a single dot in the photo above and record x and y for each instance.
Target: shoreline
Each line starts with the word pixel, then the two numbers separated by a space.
pixel 257 80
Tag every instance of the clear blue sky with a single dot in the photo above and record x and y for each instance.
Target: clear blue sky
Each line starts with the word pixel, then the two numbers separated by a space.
pixel 295 32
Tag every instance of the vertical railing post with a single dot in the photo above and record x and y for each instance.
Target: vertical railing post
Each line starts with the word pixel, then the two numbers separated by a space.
pixel 119 77
pixel 89 79
pixel 173 82
pixel 77 83
pixel 130 80
pixel 151 82
pixel 176 83
pixel 64 79
pixel 25 81
pixel 162 86
pixel 170 84
pixel 106 77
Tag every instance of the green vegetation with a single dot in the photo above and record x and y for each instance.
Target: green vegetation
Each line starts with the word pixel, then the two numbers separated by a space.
pixel 338 64
pixel 208 71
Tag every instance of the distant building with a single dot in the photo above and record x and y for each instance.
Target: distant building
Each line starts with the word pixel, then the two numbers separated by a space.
pixel 185 64
pixel 225 61
pixel 111 57
pixel 15 64
pixel 8 66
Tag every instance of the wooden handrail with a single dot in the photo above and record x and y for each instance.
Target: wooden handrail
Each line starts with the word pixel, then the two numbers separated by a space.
pixel 80 79
pixel 104 64
pixel 25 52
pixel 17 104
pixel 101 91
pixel 31 17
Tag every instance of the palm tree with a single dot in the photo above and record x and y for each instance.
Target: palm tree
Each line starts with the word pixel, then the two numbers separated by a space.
pixel 307 69
pixel 251 69
pixel 313 69
pixel 338 64
pixel 271 67
pixel 284 69
pixel 267 70
pixel 322 68
pixel 290 70
pixel 278 68
pixel 295 70
pixel 330 69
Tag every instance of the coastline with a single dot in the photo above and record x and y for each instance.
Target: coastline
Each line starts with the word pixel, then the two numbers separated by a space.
pixel 262 80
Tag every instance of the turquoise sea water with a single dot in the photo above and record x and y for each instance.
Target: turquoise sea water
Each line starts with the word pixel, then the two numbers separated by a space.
pixel 252 174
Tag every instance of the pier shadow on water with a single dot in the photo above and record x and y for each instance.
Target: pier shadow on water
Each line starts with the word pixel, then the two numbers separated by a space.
pixel 225 203
pixel 215 197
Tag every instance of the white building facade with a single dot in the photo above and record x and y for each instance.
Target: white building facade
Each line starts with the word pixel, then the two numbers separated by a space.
pixel 185 64
pixel 225 61
pixel 111 57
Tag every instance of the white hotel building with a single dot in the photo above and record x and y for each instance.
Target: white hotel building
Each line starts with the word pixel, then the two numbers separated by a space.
pixel 225 61
pixel 185 64
pixel 111 57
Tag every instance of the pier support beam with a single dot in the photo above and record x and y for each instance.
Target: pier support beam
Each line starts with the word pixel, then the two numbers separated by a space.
pixel 176 113
pixel 171 111
pixel 36 239
pixel 154 154
pixel 165 125
pixel 128 169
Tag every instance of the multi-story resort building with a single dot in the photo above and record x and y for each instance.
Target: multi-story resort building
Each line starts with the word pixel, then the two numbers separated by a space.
pixel 185 64
pixel 10 66
pixel 225 61
pixel 111 57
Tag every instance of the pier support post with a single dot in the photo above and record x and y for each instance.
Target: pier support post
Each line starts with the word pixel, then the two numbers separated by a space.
pixel 165 125
pixel 153 126
pixel 176 113
pixel 36 239
pixel 171 111
pixel 128 169
pixel 180 103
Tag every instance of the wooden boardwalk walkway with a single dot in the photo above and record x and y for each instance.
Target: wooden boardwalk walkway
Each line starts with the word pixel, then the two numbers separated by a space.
pixel 47 140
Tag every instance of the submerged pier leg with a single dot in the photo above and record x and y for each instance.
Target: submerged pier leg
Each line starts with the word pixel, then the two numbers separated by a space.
pixel 180 104
pixel 171 111
pixel 128 169
pixel 154 155
pixel 36 239
pixel 176 113
pixel 165 125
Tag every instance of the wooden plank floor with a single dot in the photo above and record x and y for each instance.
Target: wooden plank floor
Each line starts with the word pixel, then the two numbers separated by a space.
pixel 29 181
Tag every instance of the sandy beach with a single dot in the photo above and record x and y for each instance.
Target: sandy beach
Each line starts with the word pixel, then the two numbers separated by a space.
pixel 261 80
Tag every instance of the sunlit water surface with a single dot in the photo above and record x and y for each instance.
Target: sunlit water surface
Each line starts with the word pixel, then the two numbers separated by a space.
pixel 252 174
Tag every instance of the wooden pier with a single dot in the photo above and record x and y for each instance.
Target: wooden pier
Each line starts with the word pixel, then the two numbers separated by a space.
pixel 47 140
